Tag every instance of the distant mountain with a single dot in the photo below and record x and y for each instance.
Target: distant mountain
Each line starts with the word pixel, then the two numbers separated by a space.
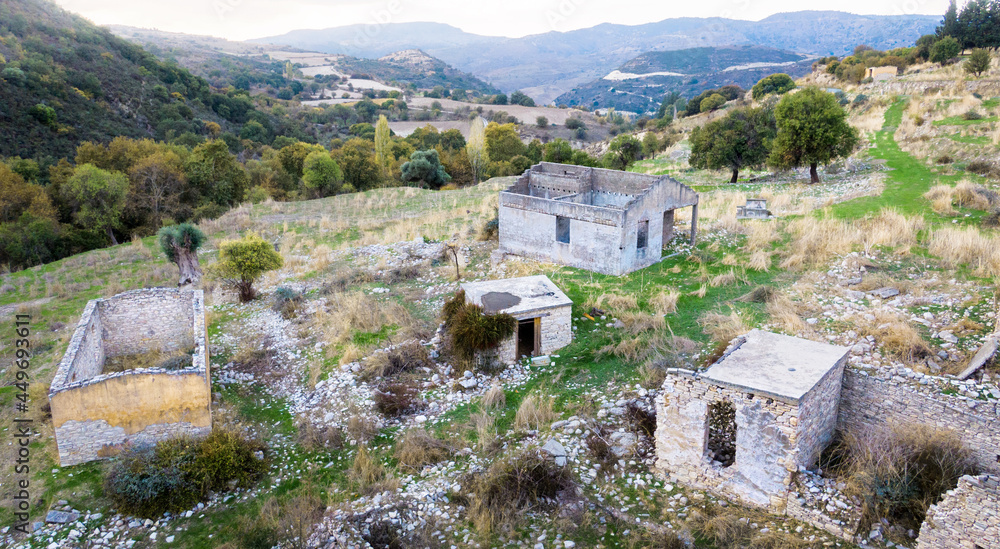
pixel 639 84
pixel 225 62
pixel 547 65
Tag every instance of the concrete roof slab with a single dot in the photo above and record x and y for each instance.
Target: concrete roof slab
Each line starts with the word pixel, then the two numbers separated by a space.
pixel 782 366
pixel 516 296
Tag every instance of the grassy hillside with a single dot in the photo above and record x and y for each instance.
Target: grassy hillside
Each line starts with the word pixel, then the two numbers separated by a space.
pixel 97 86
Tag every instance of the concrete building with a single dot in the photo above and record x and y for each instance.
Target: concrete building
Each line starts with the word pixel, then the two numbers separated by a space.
pixel 743 427
pixel 881 73
pixel 606 221
pixel 95 411
pixel 543 313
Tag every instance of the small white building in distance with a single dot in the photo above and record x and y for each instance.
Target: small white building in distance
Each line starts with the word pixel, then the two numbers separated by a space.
pixel 543 313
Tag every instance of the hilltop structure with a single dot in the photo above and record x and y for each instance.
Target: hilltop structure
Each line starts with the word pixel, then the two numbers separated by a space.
pixel 607 221
pixel 881 73
pixel 542 310
pixel 165 391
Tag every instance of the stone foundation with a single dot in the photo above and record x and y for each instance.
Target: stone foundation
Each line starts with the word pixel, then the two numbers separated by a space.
pixel 967 518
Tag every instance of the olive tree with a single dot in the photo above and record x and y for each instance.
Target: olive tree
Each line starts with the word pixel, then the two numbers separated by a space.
pixel 812 130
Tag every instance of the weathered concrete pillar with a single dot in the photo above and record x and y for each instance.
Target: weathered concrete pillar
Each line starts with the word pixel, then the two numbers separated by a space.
pixel 694 223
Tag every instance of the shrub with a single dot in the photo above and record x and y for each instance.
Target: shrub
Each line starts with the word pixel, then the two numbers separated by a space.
pixel 600 451
pixel 944 159
pixel 243 262
pixel 316 438
pixel 472 331
pixel 898 473
pixel 980 167
pixel 640 420
pixel 396 399
pixel 405 358
pixel 534 412
pixel 147 481
pixel 972 114
pixel 368 474
pixel 509 485
pixel 287 302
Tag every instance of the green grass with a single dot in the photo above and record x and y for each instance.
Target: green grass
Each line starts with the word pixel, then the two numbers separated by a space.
pixel 960 121
pixel 907 181
pixel 970 139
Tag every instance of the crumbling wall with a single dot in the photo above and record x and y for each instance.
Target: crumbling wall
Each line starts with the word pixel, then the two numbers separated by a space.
pixel 766 454
pixel 95 414
pixel 968 517
pixel 818 415
pixel 867 403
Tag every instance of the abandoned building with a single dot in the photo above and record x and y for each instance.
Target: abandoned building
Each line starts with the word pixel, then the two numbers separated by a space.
pixel 967 517
pixel 881 73
pixel 136 370
pixel 607 221
pixel 542 310
pixel 743 427
pixel 755 208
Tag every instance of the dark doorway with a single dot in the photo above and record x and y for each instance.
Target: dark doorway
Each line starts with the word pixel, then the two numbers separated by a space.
pixel 527 340
pixel 722 433
pixel 668 226
pixel 642 235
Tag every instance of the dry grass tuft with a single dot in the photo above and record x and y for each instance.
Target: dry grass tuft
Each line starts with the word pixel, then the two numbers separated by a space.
pixel 637 322
pixel 760 261
pixel 405 358
pixel 368 474
pixel 784 313
pixel 665 302
pixel 723 328
pixel 893 229
pixel 361 429
pixel 419 448
pixel 968 247
pixel 495 398
pixel 723 279
pixel 535 412
pixel 815 241
pixel 897 337
pixel 617 303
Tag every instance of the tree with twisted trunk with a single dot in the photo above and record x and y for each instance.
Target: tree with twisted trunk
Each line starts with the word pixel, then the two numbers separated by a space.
pixel 180 244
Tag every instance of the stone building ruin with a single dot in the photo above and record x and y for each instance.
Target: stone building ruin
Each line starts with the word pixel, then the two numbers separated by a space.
pixel 164 390
pixel 607 221
pixel 746 425
pixel 755 208
pixel 543 313
pixel 968 517
pixel 881 73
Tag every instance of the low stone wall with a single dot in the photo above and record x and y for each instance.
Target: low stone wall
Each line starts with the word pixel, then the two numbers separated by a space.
pixel 867 403
pixel 967 518
pixel 94 414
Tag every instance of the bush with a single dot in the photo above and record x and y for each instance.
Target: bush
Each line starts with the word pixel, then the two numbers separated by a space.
pixel 897 474
pixel 712 103
pixel 471 331
pixel 980 167
pixel 396 399
pixel 640 420
pixel 242 262
pixel 512 484
pixel 972 114
pixel 287 302
pixel 399 360
pixel 147 481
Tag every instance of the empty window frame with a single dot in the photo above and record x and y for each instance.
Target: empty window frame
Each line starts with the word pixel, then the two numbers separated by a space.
pixel 562 229
pixel 642 236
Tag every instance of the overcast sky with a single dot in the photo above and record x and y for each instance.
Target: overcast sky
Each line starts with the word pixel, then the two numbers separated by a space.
pixel 243 19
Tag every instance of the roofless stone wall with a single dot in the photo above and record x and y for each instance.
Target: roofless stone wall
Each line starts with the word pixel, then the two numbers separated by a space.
pixel 967 518
pixel 95 413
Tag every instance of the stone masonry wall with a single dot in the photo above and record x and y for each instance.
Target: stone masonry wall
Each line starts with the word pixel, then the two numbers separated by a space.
pixel 967 518
pixel 556 328
pixel 867 402
pixel 88 360
pixel 129 328
pixel 818 414
pixel 95 414
pixel 766 435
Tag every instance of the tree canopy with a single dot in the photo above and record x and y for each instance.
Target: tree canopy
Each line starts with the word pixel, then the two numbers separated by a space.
pixel 425 167
pixel 242 262
pixel 812 130
pixel 97 197
pixel 776 84
pixel 739 140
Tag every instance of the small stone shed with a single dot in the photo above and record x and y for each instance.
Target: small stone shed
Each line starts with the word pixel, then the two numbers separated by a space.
pixel 968 517
pixel 607 221
pixel 543 313
pixel 881 73
pixel 743 427
pixel 96 412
